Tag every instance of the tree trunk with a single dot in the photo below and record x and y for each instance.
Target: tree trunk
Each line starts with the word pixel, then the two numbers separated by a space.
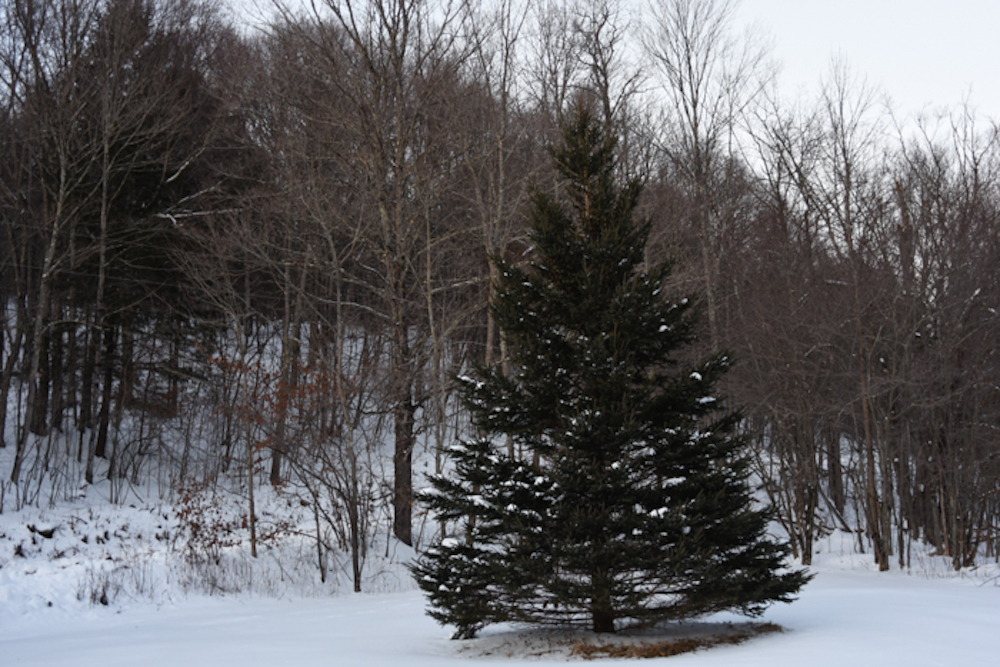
pixel 40 409
pixel 57 375
pixel 104 418
pixel 8 369
pixel 402 499
pixel 834 472
pixel 601 613
pixel 39 328
pixel 872 505
pixel 291 335
pixel 85 420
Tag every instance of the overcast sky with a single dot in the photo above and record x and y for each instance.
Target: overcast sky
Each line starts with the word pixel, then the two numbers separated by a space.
pixel 923 53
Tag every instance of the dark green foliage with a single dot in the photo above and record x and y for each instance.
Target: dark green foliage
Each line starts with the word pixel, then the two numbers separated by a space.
pixel 626 497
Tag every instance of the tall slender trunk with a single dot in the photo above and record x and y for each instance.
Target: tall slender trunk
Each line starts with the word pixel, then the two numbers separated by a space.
pixel 96 449
pixel 835 471
pixel 250 499
pixel 404 410
pixel 403 406
pixel 403 467
pixel 39 424
pixel 243 348
pixel 289 372
pixel 57 378
pixel 121 398
pixel 72 385
pixel 98 444
pixel 40 326
pixel 283 388
pixel 320 560
pixel 873 513
pixel 85 416
pixel 354 519
pixel 16 342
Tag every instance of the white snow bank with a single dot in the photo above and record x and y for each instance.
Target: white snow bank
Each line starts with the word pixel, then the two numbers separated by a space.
pixel 847 615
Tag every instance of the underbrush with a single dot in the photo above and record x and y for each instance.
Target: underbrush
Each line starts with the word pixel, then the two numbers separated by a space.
pixel 88 551
pixel 91 552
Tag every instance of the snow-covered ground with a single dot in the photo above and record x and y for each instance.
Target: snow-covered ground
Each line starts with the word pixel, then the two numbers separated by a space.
pixel 51 614
pixel 845 617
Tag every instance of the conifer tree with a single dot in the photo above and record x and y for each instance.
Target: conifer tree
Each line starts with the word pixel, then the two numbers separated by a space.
pixel 626 499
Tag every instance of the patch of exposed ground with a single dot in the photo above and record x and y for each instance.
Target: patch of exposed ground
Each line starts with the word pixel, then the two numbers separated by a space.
pixel 574 643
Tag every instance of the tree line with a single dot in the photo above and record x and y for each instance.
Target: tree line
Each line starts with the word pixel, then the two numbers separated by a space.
pixel 264 252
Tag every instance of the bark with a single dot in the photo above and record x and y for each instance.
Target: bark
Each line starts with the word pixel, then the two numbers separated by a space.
pixel 601 611
pixel 402 460
pixel 7 373
pixel 39 329
pixel 57 373
pixel 99 438
pixel 85 419
pixel 39 424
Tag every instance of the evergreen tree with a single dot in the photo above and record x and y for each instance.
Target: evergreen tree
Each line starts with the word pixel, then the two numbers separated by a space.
pixel 626 497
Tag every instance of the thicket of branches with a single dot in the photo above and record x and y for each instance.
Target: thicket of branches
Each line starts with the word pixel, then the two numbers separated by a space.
pixel 265 252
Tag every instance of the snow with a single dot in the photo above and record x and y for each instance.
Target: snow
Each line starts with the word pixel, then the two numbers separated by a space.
pixel 360 630
pixel 850 614
pixel 843 617
pixel 55 562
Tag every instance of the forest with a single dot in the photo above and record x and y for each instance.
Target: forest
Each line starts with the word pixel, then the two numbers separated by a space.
pixel 256 250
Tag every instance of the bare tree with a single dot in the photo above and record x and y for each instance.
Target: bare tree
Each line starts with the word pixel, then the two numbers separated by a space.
pixel 14 52
pixel 389 61
pixel 556 69
pixel 115 115
pixel 780 329
pixel 144 104
pixel 944 250
pixel 848 193
pixel 55 37
pixel 709 79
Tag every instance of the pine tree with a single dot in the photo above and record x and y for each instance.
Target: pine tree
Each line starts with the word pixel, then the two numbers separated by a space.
pixel 626 498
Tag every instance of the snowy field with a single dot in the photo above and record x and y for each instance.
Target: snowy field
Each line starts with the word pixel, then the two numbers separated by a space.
pixel 844 617
pixel 847 615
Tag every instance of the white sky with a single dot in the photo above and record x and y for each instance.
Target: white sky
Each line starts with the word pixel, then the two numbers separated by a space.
pixel 923 53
